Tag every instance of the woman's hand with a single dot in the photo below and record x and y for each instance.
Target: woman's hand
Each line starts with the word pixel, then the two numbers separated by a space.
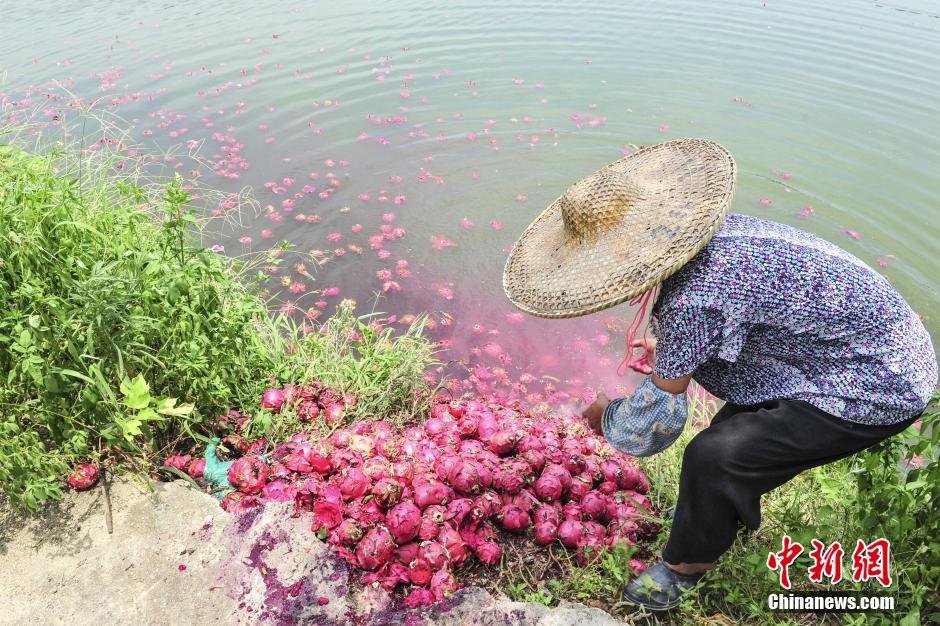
pixel 593 414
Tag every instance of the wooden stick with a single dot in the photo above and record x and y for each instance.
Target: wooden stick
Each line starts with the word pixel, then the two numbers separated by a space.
pixel 108 520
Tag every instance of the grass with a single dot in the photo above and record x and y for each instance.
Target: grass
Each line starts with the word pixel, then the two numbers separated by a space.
pixel 122 337
pixel 873 494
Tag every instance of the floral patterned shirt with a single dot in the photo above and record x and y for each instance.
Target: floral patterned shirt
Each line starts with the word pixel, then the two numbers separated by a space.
pixel 766 311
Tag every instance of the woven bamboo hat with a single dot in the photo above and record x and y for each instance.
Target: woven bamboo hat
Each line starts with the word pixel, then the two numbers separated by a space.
pixel 622 230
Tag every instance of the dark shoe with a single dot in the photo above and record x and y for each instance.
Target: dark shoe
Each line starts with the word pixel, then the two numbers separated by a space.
pixel 659 588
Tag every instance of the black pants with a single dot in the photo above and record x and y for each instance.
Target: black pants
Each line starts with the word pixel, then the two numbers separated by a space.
pixel 745 452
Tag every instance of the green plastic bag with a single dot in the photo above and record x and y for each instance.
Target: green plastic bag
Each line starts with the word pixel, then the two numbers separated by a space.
pixel 216 472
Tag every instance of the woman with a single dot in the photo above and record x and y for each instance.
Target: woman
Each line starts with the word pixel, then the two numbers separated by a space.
pixel 815 354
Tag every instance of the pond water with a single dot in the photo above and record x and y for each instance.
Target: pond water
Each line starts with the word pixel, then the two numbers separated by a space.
pixel 452 124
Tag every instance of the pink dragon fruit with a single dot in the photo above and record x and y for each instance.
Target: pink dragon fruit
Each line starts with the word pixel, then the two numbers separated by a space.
pixel 443 584
pixel 580 485
pixel 366 512
pixel 419 597
pixel 594 505
pixel 546 514
pixel 354 483
pixel 427 492
pixel 279 491
pixel 434 553
pixel 489 552
pixel 445 465
pixel 465 478
pixel 347 533
pixel 403 521
pixel 375 549
pixel 178 461
pixel 431 520
pixel 535 459
pixel 238 502
pixel 515 519
pixel 419 572
pixel 273 399
pixel 545 533
pixel 458 510
pixel 548 488
pixel 326 514
pixel 503 442
pixel 468 424
pixel 407 552
pixel 83 477
pixel 196 468
pixel 387 492
pixel 454 544
pixel 571 533
pixel 248 474
pixel 513 476
pixel 488 503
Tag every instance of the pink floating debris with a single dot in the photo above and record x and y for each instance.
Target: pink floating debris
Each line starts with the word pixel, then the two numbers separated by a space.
pixel 852 233
pixel 807 211
pixel 466 223
pixel 496 225
pixel 765 201
pixel 440 242
pixel 664 128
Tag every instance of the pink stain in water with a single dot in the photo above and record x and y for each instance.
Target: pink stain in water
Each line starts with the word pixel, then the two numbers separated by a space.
pixel 466 223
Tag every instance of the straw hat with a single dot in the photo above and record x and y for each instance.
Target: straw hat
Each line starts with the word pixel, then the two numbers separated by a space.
pixel 622 230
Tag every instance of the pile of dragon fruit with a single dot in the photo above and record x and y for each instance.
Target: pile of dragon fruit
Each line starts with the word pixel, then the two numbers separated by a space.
pixel 412 506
